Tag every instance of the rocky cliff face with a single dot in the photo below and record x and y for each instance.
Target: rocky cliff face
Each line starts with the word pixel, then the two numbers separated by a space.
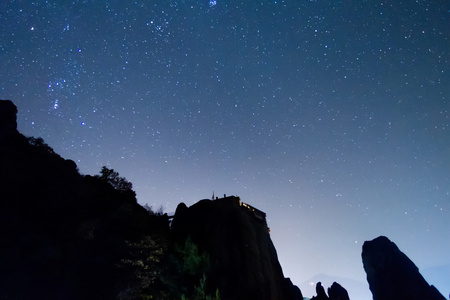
pixel 244 262
pixel 392 275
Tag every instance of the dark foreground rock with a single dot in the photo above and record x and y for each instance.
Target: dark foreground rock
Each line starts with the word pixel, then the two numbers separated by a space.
pixel 392 275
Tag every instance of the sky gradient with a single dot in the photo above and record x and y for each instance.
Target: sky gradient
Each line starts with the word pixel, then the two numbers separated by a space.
pixel 333 117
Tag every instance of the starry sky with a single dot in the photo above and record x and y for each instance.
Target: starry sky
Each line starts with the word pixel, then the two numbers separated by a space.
pixel 333 117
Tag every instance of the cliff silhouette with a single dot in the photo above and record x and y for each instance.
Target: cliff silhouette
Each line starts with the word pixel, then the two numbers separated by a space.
pixel 64 235
pixel 244 262
pixel 70 236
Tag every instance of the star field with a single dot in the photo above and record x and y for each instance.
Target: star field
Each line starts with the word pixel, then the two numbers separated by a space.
pixel 333 118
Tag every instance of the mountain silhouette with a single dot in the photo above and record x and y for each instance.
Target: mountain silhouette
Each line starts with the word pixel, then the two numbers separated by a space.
pixel 64 235
pixel 70 236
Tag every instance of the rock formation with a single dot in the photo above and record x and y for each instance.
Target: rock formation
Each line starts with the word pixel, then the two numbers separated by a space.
pixel 69 236
pixel 8 123
pixel 335 292
pixel 392 275
pixel 244 262
pixel 320 291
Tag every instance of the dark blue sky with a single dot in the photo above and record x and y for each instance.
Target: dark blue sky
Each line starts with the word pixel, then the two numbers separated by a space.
pixel 330 116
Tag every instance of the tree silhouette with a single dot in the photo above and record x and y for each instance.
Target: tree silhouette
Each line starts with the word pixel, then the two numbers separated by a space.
pixel 112 177
pixel 40 144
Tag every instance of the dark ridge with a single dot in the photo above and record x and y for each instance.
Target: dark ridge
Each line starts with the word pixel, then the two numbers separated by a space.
pixel 70 236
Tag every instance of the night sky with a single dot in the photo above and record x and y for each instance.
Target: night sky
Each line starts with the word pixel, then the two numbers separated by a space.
pixel 333 117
